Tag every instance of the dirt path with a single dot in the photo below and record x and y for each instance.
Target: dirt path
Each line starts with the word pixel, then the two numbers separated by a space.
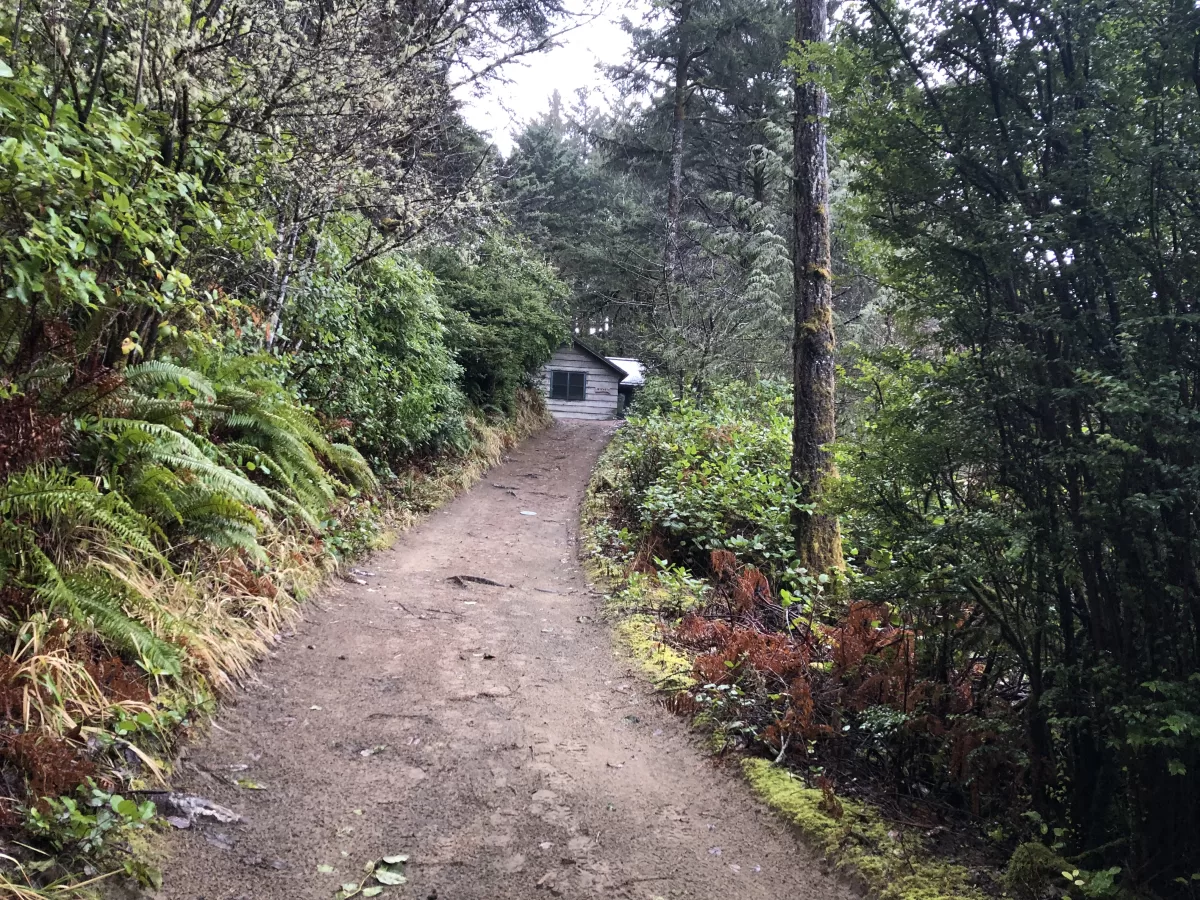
pixel 491 733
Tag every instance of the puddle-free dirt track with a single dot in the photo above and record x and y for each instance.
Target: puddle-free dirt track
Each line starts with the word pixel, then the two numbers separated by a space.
pixel 492 734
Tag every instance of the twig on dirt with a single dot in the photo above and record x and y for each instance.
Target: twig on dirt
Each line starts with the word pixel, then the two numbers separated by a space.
pixel 462 580
pixel 644 878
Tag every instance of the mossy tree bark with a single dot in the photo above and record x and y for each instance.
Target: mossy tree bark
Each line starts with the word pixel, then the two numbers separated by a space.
pixel 818 539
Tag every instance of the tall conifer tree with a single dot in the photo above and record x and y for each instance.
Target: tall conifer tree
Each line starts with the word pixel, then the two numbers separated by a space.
pixel 818 541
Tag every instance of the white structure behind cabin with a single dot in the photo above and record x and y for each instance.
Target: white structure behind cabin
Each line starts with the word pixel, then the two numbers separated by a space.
pixel 581 384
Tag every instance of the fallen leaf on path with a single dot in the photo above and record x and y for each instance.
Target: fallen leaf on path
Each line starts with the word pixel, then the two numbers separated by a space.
pixel 388 876
pixel 324 869
pixel 247 784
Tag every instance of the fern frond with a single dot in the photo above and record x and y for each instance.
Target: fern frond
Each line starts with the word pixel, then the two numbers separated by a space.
pixel 157 373
pixel 100 599
pixel 353 465
pixel 179 452
pixel 54 497
pixel 152 488
pixel 296 508
pixel 224 533
pixel 197 500
pixel 94 600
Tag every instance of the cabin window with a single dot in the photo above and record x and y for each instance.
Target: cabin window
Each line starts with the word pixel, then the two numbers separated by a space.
pixel 568 385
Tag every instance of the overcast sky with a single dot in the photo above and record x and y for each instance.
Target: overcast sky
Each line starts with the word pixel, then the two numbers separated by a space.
pixel 526 92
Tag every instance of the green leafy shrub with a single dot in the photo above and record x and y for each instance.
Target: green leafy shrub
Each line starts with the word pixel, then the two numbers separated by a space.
pixel 372 356
pixel 711 474
pixel 85 823
pixel 505 316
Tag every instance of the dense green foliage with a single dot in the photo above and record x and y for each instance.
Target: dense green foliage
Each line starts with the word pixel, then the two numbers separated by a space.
pixel 219 345
pixel 372 354
pixel 705 475
pixel 505 316
pixel 1019 469
pixel 1038 463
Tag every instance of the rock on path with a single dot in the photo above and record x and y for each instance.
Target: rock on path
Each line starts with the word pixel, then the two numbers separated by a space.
pixel 491 733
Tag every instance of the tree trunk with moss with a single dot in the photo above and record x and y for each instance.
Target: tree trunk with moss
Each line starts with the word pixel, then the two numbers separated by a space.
pixel 818 539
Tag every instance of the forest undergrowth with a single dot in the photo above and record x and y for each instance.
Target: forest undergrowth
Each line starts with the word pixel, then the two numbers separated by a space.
pixel 235 353
pixel 89 736
pixel 905 769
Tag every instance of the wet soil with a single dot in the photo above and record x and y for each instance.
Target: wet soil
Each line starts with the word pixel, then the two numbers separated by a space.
pixel 494 734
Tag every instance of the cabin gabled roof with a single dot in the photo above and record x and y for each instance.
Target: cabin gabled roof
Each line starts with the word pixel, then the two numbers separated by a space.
pixel 635 371
pixel 588 351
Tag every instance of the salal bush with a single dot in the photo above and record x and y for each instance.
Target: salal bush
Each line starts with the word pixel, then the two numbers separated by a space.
pixel 710 473
pixel 369 352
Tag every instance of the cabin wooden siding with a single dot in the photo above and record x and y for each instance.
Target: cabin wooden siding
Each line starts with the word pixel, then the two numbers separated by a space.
pixel 602 395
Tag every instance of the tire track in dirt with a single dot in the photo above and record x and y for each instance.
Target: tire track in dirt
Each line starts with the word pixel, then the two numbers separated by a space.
pixel 489 732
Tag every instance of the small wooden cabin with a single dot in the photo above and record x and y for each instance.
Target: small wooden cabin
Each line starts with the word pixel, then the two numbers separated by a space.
pixel 579 383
